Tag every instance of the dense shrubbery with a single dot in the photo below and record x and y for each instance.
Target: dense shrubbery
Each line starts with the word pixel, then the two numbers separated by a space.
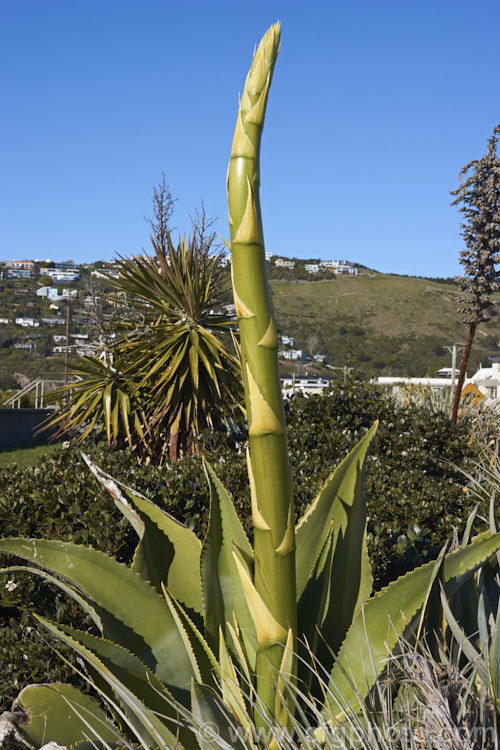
pixel 414 500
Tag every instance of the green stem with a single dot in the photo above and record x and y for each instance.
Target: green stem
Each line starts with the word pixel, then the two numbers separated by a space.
pixel 269 469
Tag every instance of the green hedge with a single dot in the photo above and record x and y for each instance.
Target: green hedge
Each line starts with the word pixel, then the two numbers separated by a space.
pixel 414 500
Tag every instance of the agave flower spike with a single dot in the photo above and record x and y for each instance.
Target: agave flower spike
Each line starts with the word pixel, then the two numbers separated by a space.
pixel 268 465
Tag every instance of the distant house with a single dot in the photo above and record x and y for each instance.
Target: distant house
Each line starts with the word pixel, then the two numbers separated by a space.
pixel 19 273
pixel 344 266
pixel 69 293
pixel 50 292
pixel 54 321
pixel 268 255
pixel 487 381
pixel 293 354
pixel 319 358
pixel 287 340
pixel 5 321
pixel 27 322
pixel 27 264
pixel 60 274
pixel 68 265
pixel 312 267
pixel 306 386
pixel 26 345
pixel 80 337
pixel 107 273
pixel 281 263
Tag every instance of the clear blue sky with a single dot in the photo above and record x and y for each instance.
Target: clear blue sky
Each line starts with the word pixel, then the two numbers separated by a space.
pixel 374 108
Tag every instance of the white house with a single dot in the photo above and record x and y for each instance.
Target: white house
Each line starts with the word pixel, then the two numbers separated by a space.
pixel 19 273
pixel 27 322
pixel 284 263
pixel 69 293
pixel 287 340
pixel 344 266
pixel 307 386
pixel 487 381
pixel 311 267
pixel 293 354
pixel 50 292
pixel 59 274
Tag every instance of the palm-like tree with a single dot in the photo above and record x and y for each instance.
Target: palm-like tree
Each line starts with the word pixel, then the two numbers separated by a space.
pixel 172 375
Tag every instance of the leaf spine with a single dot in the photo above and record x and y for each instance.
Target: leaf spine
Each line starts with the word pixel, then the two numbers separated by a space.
pixel 288 542
pixel 267 628
pixel 263 419
pixel 256 114
pixel 269 339
pixel 248 232
pixel 242 311
pixel 258 519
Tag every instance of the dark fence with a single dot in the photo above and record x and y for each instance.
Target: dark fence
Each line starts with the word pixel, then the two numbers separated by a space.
pixel 18 427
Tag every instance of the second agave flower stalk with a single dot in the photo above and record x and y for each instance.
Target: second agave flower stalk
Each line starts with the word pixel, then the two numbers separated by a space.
pixel 268 462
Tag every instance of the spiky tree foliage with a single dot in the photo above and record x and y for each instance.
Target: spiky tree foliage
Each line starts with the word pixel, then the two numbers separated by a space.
pixel 171 374
pixel 479 199
pixel 179 356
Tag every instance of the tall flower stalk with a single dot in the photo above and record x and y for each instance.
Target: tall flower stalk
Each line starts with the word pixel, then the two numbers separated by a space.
pixel 268 464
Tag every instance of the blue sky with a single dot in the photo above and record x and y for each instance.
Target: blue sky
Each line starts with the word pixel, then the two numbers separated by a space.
pixel 374 108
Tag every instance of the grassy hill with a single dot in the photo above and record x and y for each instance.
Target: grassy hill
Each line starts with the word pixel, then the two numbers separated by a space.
pixel 379 323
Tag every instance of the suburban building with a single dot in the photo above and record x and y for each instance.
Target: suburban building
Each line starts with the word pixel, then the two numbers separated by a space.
pixel 19 273
pixel 307 386
pixel 344 266
pixel 487 381
pixel 312 267
pixel 287 340
pixel 54 321
pixel 282 263
pixel 59 274
pixel 50 292
pixel 293 354
pixel 27 322
pixel 27 264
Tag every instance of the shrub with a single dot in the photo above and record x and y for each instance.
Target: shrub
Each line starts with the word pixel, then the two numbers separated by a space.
pixel 414 500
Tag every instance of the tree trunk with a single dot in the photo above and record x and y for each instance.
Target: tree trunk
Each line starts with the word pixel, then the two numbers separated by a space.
pixel 463 367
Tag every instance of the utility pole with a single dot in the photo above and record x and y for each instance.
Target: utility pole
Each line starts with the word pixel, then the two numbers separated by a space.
pixel 67 345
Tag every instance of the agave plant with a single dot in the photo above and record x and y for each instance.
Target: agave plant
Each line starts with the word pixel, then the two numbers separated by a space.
pixel 172 375
pixel 190 614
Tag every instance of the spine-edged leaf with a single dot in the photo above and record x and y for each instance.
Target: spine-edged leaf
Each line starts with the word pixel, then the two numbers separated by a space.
pixel 340 497
pixel 382 620
pixel 133 613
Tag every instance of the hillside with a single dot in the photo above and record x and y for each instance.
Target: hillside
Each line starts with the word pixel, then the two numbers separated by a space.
pixel 373 322
pixel 378 323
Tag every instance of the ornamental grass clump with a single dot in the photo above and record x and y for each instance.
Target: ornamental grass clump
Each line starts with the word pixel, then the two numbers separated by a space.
pixel 189 615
